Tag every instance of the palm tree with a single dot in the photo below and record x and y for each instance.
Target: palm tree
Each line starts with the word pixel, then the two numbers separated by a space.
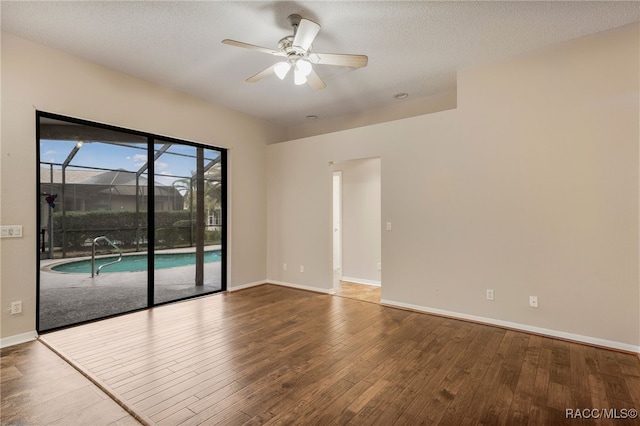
pixel 185 187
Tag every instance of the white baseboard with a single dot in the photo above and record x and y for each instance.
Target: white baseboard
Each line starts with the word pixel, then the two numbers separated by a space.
pixel 18 338
pixel 361 281
pixel 521 327
pixel 303 287
pixel 247 285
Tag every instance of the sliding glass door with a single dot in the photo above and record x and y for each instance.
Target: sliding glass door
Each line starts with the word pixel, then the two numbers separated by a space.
pixel 188 228
pixel 127 221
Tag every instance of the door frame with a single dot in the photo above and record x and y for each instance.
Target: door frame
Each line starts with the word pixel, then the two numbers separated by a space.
pixel 337 227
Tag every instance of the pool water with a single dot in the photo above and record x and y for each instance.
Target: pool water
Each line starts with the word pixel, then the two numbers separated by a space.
pixel 134 263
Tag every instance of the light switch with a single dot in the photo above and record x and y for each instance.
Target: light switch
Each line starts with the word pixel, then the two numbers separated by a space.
pixel 11 231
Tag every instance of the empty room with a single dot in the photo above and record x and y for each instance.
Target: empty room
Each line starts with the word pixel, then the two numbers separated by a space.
pixel 372 212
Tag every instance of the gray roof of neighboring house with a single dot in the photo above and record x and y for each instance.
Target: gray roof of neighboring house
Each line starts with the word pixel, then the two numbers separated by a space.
pixel 114 178
pixel 71 175
pixel 123 181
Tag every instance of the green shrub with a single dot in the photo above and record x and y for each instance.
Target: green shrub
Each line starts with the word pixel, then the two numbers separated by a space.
pixel 119 226
pixel 166 237
pixel 173 229
pixel 212 237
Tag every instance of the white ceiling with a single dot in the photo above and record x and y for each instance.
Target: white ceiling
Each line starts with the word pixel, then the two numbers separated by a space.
pixel 414 47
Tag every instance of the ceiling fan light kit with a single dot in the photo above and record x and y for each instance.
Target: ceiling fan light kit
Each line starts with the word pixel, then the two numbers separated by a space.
pixel 282 69
pixel 296 49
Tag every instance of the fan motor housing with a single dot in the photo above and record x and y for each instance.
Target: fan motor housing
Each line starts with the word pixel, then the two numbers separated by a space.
pixel 286 45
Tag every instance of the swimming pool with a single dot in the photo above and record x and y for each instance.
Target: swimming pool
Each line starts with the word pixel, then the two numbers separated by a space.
pixel 135 263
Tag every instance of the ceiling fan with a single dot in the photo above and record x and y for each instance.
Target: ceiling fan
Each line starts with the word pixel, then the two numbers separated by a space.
pixel 296 53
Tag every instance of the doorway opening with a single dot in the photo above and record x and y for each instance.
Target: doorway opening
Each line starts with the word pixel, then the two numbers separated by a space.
pixel 356 229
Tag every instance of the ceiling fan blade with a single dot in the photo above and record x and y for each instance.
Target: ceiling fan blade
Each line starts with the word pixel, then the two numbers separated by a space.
pixel 253 47
pixel 305 34
pixel 314 80
pixel 262 74
pixel 355 61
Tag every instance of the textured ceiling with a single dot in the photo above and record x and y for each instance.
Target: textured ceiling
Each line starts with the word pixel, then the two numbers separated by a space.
pixel 414 47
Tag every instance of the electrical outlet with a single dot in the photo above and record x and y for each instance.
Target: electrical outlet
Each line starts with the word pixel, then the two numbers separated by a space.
pixel 284 266
pixel 388 226
pixel 489 294
pixel 301 268
pixel 379 266
pixel 16 307
pixel 533 301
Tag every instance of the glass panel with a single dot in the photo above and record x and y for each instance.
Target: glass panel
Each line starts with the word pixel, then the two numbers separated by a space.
pixel 188 221
pixel 90 187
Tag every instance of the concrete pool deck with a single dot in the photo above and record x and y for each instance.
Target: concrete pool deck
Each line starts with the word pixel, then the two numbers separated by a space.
pixel 69 298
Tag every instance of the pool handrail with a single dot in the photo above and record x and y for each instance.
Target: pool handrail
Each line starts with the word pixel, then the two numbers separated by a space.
pixel 93 254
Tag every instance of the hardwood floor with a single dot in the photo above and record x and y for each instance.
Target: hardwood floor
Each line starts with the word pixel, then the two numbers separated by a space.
pixel 39 388
pixel 358 291
pixel 275 355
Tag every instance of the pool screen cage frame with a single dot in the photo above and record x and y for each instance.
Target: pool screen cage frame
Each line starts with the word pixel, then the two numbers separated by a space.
pixel 55 190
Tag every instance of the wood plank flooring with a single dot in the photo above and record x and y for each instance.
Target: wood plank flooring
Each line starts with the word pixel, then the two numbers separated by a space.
pixel 39 388
pixel 364 292
pixel 273 355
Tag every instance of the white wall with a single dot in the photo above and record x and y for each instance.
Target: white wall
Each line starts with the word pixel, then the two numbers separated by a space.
pixel 361 235
pixel 529 187
pixel 35 77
